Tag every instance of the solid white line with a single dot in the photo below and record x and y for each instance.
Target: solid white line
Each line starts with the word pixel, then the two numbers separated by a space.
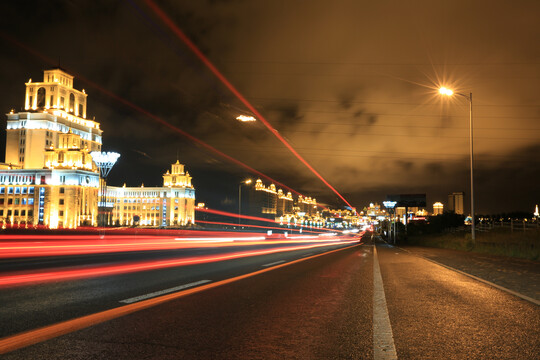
pixel 162 292
pixel 383 340
pixel 274 263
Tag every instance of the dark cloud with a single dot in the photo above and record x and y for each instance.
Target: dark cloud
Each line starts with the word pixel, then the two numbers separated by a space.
pixel 351 85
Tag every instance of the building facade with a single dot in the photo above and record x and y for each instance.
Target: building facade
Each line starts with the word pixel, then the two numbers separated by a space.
pixel 50 179
pixel 438 208
pixel 172 204
pixel 455 202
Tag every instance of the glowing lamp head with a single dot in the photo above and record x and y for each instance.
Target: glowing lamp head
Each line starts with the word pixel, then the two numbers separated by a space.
pixel 245 118
pixel 248 181
pixel 446 91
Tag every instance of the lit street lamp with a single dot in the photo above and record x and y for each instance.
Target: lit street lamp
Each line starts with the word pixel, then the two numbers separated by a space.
pixel 391 205
pixel 247 182
pixel 104 161
pixel 448 92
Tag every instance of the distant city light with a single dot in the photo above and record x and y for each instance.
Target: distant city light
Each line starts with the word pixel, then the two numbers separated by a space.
pixel 245 118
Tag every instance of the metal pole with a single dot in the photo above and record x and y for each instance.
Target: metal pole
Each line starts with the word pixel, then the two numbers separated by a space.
pixel 472 166
pixel 239 202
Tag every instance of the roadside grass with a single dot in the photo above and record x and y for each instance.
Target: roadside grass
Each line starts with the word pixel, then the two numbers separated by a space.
pixel 519 244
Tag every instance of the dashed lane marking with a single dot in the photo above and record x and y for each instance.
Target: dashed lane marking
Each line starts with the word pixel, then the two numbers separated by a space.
pixel 163 292
pixel 274 263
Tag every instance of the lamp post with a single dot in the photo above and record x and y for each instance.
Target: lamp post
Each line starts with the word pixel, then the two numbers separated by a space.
pixel 247 182
pixel 391 205
pixel 104 161
pixel 448 92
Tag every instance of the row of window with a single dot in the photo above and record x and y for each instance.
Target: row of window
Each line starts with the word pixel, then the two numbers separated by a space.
pixel 17 201
pixel 17 213
pixel 17 189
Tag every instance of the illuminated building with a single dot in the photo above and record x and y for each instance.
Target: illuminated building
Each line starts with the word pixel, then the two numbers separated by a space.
pixel 49 178
pixel 172 204
pixel 52 107
pixel 438 208
pixel 455 202
pixel 285 203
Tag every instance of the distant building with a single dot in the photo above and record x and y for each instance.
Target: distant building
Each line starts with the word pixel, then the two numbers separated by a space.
pixel 438 208
pixel 455 202
pixel 172 204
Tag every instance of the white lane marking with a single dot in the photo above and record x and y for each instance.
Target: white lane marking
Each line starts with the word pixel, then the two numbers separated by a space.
pixel 274 263
pixel 383 340
pixel 162 292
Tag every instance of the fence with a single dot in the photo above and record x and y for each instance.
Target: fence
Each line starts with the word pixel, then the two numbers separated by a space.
pixel 512 225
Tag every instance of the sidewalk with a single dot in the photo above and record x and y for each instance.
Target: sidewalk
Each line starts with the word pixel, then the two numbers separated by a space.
pixel 522 276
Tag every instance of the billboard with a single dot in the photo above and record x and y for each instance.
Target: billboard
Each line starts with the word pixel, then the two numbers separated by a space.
pixel 408 200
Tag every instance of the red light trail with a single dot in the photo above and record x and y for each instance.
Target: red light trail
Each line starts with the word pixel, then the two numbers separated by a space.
pixel 109 270
pixel 180 34
pixel 150 115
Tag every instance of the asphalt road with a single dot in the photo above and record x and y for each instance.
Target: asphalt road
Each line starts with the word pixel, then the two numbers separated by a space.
pixel 326 307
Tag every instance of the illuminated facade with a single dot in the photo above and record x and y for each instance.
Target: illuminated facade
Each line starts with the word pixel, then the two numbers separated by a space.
pixel 49 178
pixel 172 204
pixel 455 202
pixel 438 208
pixel 272 203
pixel 52 107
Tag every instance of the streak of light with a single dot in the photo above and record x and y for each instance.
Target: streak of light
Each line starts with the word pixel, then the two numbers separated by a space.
pixel 18 341
pixel 110 270
pixel 180 34
pixel 47 245
pixel 148 114
pixel 229 214
pixel 304 230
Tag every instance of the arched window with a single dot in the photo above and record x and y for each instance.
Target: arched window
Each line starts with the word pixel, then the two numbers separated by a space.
pixel 71 102
pixel 41 97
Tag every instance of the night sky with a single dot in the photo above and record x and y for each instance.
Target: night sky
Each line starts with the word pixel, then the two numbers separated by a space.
pixel 351 85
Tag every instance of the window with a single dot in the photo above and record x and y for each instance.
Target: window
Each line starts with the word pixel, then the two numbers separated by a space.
pixel 2 201
pixel 80 110
pixel 61 202
pixel 41 97
pixel 30 212
pixel 61 213
pixel 1 212
pixel 10 201
pixel 23 190
pixel 30 201
pixel 62 102
pixel 9 213
pixel 2 190
pixel 10 190
pixel 23 212
pixel 23 201
pixel 31 100
pixel 51 101
pixel 16 213
pixel 31 190
pixel 62 190
pixel 17 190
pixel 17 201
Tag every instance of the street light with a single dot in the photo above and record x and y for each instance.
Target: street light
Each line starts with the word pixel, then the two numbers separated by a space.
pixel 247 182
pixel 449 92
pixel 104 161
pixel 391 205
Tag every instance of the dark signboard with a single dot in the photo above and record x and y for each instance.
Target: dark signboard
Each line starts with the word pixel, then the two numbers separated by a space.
pixel 408 200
